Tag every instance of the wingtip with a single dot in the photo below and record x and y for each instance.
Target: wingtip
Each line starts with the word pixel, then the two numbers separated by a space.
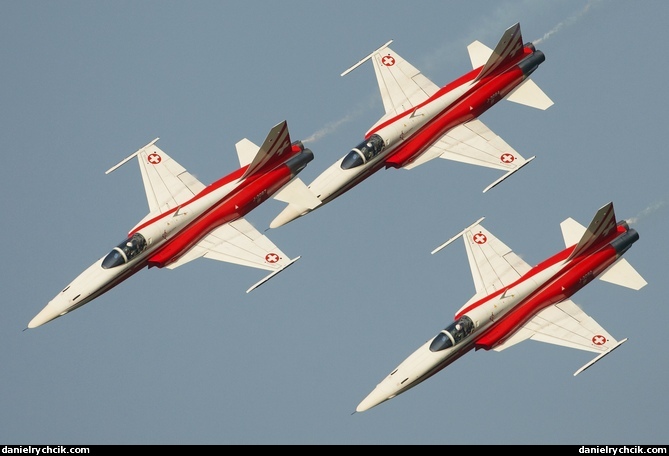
pixel 361 61
pixel 599 357
pixel 508 174
pixel 457 236
pixel 265 279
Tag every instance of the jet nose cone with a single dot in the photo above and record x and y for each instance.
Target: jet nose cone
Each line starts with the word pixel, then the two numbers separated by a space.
pixel 372 400
pixel 289 214
pixel 58 306
pixel 45 316
pixel 364 406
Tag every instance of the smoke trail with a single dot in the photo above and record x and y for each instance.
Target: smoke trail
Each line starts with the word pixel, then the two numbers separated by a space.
pixel 333 126
pixel 330 128
pixel 646 212
pixel 573 19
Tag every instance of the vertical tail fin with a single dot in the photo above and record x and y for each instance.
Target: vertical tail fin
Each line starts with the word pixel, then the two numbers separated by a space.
pixel 276 149
pixel 507 49
pixel 602 224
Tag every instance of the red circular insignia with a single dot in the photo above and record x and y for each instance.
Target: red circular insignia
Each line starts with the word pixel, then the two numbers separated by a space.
pixel 480 238
pixel 598 339
pixel 272 258
pixel 388 60
pixel 154 159
pixel 507 158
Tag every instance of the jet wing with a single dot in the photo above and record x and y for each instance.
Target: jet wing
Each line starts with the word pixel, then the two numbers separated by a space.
pixel 166 182
pixel 402 86
pixel 492 263
pixel 240 243
pixel 475 144
pixel 567 325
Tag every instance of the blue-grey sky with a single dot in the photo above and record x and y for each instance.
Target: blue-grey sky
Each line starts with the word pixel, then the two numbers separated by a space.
pixel 185 356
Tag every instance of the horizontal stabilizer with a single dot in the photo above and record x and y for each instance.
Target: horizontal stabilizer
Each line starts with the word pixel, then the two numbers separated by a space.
pixel 246 151
pixel 572 232
pixel 529 94
pixel 257 284
pixel 478 54
pixel 599 357
pixel 622 273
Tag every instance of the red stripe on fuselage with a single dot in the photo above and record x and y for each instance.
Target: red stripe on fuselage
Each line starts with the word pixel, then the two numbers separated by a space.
pixel 230 207
pixel 207 190
pixel 477 101
pixel 567 282
pixel 441 92
pixel 560 256
pixel 452 85
pixel 294 150
pixel 481 97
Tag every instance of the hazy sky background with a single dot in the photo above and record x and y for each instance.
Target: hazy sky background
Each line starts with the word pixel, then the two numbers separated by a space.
pixel 185 356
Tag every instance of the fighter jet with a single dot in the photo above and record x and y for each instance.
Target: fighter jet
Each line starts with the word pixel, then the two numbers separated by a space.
pixel 424 121
pixel 188 220
pixel 515 302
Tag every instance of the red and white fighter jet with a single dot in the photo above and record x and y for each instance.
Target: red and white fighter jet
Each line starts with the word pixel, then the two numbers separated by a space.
pixel 188 220
pixel 424 121
pixel 515 302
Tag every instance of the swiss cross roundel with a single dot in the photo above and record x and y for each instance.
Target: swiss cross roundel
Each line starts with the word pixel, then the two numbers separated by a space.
pixel 154 159
pixel 388 60
pixel 598 339
pixel 507 158
pixel 271 257
pixel 480 238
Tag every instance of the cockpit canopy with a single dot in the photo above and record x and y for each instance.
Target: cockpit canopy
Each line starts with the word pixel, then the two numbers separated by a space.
pixel 125 251
pixel 363 152
pixel 452 334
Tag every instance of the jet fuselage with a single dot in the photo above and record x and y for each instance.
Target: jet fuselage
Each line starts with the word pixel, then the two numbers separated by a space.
pixel 496 317
pixel 409 134
pixel 161 240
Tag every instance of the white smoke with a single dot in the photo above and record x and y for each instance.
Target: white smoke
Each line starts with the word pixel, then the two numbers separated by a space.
pixel 646 212
pixel 329 128
pixel 570 21
pixel 333 126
